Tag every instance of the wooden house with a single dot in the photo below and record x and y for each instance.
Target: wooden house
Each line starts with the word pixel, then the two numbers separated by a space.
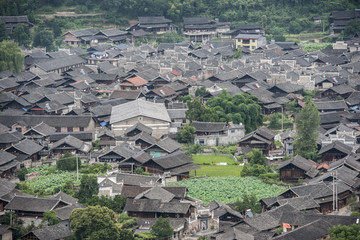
pixel 297 168
pixel 262 139
pixel 334 151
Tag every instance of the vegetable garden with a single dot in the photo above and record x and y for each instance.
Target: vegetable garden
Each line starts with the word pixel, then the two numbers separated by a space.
pixel 227 189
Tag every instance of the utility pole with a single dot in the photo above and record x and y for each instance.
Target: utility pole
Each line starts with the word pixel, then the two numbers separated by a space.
pixel 332 174
pixel 282 118
pixel 247 187
pixel 336 192
pixel 77 168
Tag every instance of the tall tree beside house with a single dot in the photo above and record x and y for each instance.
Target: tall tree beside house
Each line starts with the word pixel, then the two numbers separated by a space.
pixel 185 135
pixel 21 34
pixel 3 35
pixel 88 188
pixel 11 57
pixel 97 223
pixel 68 162
pixel 307 122
pixel 162 229
pixel 248 202
pixel 198 112
pixel 50 218
pixel 44 38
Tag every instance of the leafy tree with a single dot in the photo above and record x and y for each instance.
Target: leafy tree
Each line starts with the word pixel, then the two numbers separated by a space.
pixel 185 135
pixel 162 229
pixel 352 27
pixel 256 157
pixel 201 92
pixel 238 54
pixel 97 223
pixel 67 162
pixel 44 38
pixel 3 35
pixel 116 204
pixel 139 170
pixel 97 168
pixel 253 170
pixel 184 98
pixel 21 173
pixel 88 188
pixel 11 57
pixel 343 232
pixel 198 112
pixel 248 202
pixel 307 122
pixel 50 217
pixel 21 35
pixel 68 188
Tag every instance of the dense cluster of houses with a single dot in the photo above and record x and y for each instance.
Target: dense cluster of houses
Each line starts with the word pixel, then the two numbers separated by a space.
pixel 117 103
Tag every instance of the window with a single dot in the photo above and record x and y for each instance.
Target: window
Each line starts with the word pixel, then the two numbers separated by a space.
pixel 201 141
pixel 246 41
pixel 18 129
pixel 69 129
pixel 252 47
pixel 57 129
pixel 253 40
pixel 81 129
pixel 72 42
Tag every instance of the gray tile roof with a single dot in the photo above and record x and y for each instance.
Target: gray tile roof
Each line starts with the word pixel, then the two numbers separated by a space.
pixel 138 108
pixel 58 63
pixel 31 204
pixel 73 142
pixel 27 146
pixel 59 231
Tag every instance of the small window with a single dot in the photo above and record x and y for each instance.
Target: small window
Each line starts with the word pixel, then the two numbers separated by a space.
pixel 253 47
pixel 69 129
pixel 253 40
pixel 81 129
pixel 18 129
pixel 140 118
pixel 72 42
pixel 57 129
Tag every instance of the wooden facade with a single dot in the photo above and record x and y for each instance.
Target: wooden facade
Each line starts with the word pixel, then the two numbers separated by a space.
pixel 291 174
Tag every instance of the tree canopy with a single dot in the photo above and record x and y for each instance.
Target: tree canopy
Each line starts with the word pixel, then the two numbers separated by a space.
pixel 162 229
pixel 342 232
pixel 248 202
pixel 240 108
pixel 97 223
pixel 185 135
pixel 88 187
pixel 11 57
pixel 68 162
pixel 307 121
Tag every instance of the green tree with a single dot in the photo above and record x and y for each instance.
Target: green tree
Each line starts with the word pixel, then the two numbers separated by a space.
pixel 44 38
pixel 185 135
pixel 343 232
pixel 50 218
pixel 97 223
pixel 201 92
pixel 253 170
pixel 248 202
pixel 139 170
pixel 11 57
pixel 116 204
pixel 68 162
pixel 352 27
pixel 21 35
pixel 238 54
pixel 162 229
pixel 307 122
pixel 88 188
pixel 256 157
pixel 3 35
pixel 68 188
pixel 21 173
pixel 198 112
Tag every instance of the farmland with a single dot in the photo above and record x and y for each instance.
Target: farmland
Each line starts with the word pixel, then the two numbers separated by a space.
pixel 209 167
pixel 48 182
pixel 227 189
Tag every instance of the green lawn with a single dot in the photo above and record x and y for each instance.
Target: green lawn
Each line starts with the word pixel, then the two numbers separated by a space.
pixel 218 171
pixel 208 159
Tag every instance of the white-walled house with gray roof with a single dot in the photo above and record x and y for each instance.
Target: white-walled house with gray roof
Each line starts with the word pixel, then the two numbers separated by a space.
pixel 153 115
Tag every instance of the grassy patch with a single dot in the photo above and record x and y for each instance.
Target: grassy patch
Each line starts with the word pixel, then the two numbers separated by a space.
pixel 208 159
pixel 218 171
